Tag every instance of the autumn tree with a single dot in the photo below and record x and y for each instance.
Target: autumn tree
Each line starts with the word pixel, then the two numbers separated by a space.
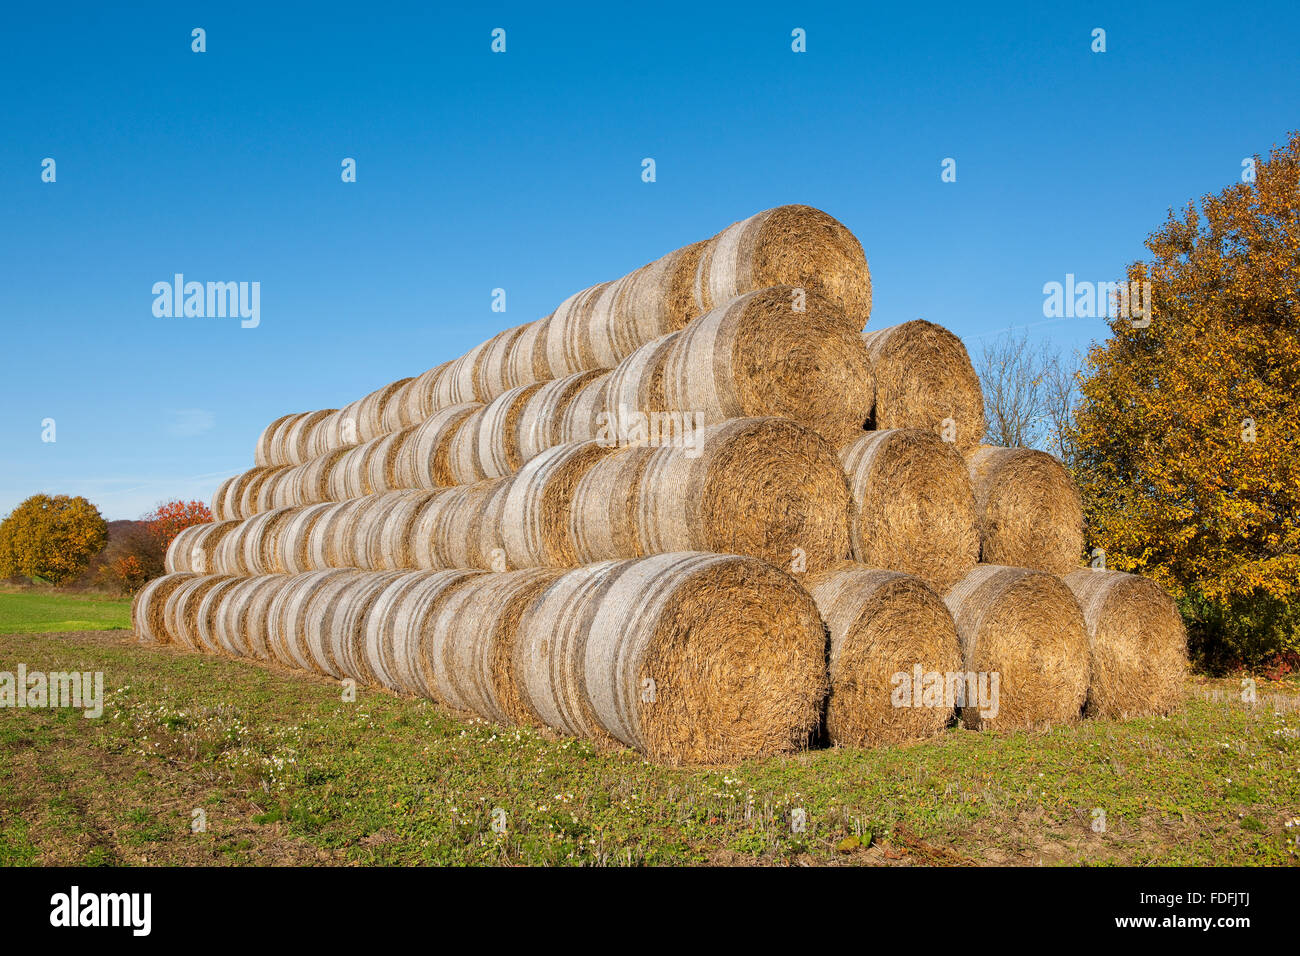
pixel 52 537
pixel 1187 456
pixel 172 517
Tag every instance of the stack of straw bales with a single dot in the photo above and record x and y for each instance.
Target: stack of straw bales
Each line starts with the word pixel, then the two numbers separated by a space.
pixel 696 511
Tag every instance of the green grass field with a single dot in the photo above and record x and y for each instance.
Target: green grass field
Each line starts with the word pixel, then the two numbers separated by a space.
pixel 34 611
pixel 280 769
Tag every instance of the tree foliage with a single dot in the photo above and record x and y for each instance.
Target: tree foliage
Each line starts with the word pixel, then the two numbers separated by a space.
pixel 1186 433
pixel 52 537
pixel 172 517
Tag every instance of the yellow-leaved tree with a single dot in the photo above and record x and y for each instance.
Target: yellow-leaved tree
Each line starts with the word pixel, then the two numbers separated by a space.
pixel 1188 454
pixel 51 537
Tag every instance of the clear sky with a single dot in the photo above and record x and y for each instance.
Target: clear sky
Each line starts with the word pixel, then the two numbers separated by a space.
pixel 522 170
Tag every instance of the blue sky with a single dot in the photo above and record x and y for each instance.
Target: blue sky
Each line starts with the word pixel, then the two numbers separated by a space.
pixel 522 171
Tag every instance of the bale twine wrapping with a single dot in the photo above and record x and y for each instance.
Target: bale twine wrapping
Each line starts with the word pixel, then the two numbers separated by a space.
pixel 398 623
pixel 195 547
pixel 769 488
pixel 448 533
pixel 542 415
pixel 263 453
pixel 568 333
pixel 297 438
pixel 421 394
pixel 493 374
pixel 397 413
pixel 704 658
pixel 472 643
pixel 219 506
pixel 288 613
pixel 180 613
pixel 334 627
pixel 148 617
pixel 580 419
pixel 424 460
pixel 499 451
pixel 1029 509
pixel 914 510
pixel 637 383
pixel 789 245
pixel 459 384
pixel 883 624
pixel 207 618
pixel 526 362
pixel 755 355
pixel 550 648
pixel 1137 644
pixel 656 299
pixel 315 477
pixel 370 411
pixel 535 510
pixel 924 379
pixel 241 619
pixel 1026 627
pixel 350 475
pixel 293 545
pixel 392 548
pixel 382 466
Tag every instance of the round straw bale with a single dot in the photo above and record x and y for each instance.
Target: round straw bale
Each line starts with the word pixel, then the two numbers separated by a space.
pixel 421 394
pixel 274 488
pixel 924 379
pixel 297 441
pixel 1029 509
pixel 316 475
pixel 883 624
pixel 367 529
pixel 789 245
pixel 397 413
pixel 391 548
pixel 370 412
pixel 543 413
pixel 207 617
pixel 350 476
pixel 637 384
pixel 769 488
pixel 318 435
pixel 459 383
pixel 263 453
pixel 657 298
pixel 580 418
pixel 1137 644
pixel 293 545
pixel 568 346
pixel 463 453
pixel 398 623
pixel 148 618
pixel 424 460
pixel 195 547
pixel 250 548
pixel 448 532
pixel 295 615
pixel 1026 628
pixel 241 628
pixel 549 652
pixel 499 452
pixel 526 362
pixel 914 510
pixel 603 327
pixel 493 374
pixel 535 512
pixel 341 429
pixel 334 623
pixel 181 612
pixel 221 509
pixel 705 658
pixel 471 642
pixel 757 356
pixel 382 464
pixel 236 492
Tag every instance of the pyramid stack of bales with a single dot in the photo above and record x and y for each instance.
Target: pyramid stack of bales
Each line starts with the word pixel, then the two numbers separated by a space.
pixel 696 511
